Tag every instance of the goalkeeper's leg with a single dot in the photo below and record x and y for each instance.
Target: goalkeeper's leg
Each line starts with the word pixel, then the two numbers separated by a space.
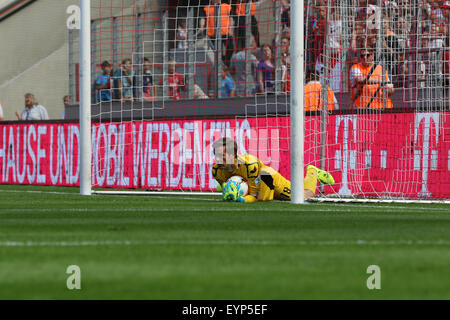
pixel 310 182
pixel 312 175
pixel 275 186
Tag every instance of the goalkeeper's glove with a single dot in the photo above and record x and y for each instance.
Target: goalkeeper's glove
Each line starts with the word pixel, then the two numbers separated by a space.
pixel 231 192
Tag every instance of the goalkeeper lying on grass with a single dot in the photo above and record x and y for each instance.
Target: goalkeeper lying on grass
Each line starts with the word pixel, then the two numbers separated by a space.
pixel 264 183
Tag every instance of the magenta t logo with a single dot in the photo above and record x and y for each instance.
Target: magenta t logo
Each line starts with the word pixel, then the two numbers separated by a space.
pixel 428 157
pixel 345 157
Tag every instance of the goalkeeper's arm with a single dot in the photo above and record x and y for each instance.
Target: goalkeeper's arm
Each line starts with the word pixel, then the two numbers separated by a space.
pixel 231 192
pixel 247 198
pixel 250 198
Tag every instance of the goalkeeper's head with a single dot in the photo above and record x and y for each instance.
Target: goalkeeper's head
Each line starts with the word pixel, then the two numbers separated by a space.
pixel 225 153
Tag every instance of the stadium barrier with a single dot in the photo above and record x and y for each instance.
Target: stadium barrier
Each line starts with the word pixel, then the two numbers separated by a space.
pixel 388 154
pixel 259 105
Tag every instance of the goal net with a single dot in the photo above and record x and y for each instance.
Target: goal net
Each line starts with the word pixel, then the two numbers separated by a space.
pixel 380 119
pixel 167 78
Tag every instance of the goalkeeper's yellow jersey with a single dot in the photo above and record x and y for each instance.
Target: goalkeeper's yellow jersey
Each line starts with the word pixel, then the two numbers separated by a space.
pixel 248 167
pixel 264 183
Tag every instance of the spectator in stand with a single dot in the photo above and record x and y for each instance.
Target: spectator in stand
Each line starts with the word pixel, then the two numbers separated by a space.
pixel 433 58
pixel 103 83
pixel 334 31
pixel 1 112
pixel 175 81
pixel 404 8
pixel 66 101
pixel 286 78
pixel 33 110
pixel 403 33
pixel 286 33
pixel 390 47
pixel 331 58
pixel 435 12
pixel 256 51
pixel 390 8
pixel 369 16
pixel 285 50
pixel 436 37
pixel 265 71
pixel 314 94
pixel 432 13
pixel 240 9
pixel 226 24
pixel 358 33
pixel 245 82
pixel 285 64
pixel 446 67
pixel 125 78
pixel 182 34
pixel 446 12
pixel 227 84
pixel 198 92
pixel 367 90
pixel 318 32
pixel 253 22
pixel 149 89
pixel 285 13
pixel 400 74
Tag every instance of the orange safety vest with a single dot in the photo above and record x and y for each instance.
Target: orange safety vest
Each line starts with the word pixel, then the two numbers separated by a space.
pixel 240 10
pixel 225 20
pixel 367 92
pixel 313 97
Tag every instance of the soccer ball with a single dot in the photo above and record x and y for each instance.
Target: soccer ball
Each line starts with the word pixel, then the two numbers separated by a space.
pixel 241 182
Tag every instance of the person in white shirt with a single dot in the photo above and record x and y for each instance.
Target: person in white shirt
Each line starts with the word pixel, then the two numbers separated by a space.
pixel 1 112
pixel 33 110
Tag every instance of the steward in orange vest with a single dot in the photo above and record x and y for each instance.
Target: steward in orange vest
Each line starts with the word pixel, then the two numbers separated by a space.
pixel 365 88
pixel 225 10
pixel 314 96
pixel 226 27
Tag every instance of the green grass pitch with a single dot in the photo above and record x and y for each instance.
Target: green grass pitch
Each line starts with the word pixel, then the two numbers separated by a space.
pixel 187 247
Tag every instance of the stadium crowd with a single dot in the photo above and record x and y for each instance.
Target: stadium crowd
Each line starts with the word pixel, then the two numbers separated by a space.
pixel 407 51
pixel 364 49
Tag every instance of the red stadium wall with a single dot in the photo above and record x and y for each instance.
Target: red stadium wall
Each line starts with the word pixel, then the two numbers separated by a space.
pixel 388 154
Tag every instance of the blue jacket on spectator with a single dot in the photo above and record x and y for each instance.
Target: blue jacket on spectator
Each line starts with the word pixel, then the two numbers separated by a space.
pixel 103 94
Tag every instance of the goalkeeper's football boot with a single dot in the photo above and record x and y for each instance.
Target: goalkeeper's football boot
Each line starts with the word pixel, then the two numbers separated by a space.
pixel 323 176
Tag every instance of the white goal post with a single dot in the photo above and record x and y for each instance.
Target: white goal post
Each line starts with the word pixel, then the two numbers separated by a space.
pixel 358 88
pixel 85 98
pixel 297 102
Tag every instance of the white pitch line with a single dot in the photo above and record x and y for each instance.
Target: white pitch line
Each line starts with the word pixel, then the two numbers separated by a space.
pixel 354 205
pixel 186 198
pixel 358 205
pixel 150 197
pixel 244 208
pixel 222 243
pixel 38 191
pixel 150 209
pixel 151 193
